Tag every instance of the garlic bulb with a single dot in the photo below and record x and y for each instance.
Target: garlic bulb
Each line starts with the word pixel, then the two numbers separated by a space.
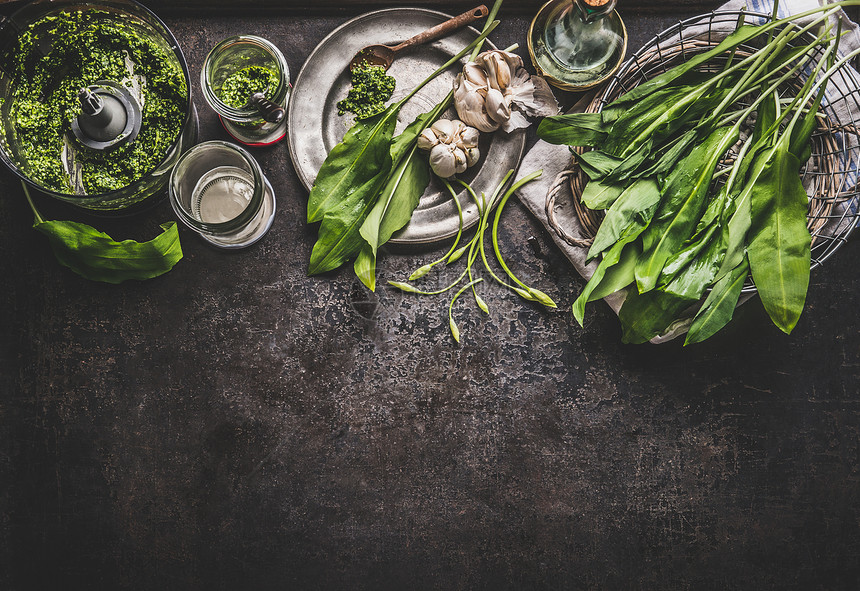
pixel 453 147
pixel 495 91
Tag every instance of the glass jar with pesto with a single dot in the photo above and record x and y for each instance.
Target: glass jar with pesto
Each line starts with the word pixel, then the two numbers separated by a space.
pixel 246 81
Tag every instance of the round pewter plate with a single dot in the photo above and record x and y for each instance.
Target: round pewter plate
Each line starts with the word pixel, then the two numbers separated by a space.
pixel 314 127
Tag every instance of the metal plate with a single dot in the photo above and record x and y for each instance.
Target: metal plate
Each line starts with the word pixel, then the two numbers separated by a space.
pixel 314 126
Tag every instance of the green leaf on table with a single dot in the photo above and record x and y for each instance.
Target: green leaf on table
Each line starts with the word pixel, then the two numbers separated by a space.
pixel 575 129
pixel 657 117
pixel 596 164
pixel 614 272
pixel 599 195
pixel 644 316
pixel 669 159
pixel 96 256
pixel 599 165
pixel 355 165
pixel 719 306
pixel 692 281
pixel 682 205
pixel 392 211
pixel 398 198
pixel 703 250
pixel 633 209
pixel 779 244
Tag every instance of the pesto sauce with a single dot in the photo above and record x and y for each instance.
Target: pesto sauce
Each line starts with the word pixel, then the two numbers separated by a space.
pixel 87 46
pixel 241 84
pixel 371 87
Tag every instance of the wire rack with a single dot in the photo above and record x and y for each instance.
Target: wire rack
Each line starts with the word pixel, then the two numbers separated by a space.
pixel 831 173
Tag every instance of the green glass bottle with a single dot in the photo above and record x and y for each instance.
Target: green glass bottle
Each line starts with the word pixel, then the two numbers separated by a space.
pixel 577 44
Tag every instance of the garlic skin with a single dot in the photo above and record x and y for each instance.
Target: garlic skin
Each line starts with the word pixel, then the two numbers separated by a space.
pixel 496 92
pixel 453 147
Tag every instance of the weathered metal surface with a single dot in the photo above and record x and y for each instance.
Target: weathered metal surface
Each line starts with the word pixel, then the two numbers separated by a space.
pixel 238 425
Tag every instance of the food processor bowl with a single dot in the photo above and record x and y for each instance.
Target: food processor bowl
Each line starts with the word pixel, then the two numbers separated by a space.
pixel 152 184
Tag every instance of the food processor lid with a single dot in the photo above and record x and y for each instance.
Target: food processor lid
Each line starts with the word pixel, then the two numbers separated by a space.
pixel 110 116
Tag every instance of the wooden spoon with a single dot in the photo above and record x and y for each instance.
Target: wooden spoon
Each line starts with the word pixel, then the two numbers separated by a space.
pixel 383 55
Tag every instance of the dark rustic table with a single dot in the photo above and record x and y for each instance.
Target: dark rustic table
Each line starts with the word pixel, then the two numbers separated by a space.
pixel 235 424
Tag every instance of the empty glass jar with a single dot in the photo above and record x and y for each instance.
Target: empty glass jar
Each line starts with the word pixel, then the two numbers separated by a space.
pixel 218 190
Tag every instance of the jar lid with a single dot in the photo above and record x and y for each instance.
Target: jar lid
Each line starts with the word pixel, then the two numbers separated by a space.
pixel 254 230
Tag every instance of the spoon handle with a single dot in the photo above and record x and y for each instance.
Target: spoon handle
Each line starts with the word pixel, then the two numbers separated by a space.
pixel 445 28
pixel 271 112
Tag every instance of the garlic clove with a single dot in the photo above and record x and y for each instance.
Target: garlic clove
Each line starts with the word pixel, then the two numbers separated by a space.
pixel 502 71
pixel 427 139
pixel 515 62
pixel 460 128
pixel 475 74
pixel 472 156
pixel 490 65
pixel 508 95
pixel 470 109
pixel 460 160
pixel 443 161
pixel 497 107
pixel 445 130
pixel 469 138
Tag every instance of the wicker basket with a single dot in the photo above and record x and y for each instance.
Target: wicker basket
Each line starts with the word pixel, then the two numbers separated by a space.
pixel 830 175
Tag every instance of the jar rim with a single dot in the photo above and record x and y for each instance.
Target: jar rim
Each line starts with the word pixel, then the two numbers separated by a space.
pixel 249 114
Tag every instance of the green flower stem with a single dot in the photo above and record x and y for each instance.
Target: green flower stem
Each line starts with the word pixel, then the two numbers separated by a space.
pixel 743 114
pixel 39 219
pixel 485 222
pixel 476 44
pixel 470 259
pixel 423 270
pixel 455 332
pixel 491 16
pixel 495 234
pixel 408 288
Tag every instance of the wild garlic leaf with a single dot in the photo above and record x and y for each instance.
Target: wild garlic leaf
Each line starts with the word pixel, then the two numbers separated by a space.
pixel 632 211
pixel 575 129
pixel 95 255
pixel 644 316
pixel 355 164
pixel 682 205
pixel 779 244
pixel 719 307
pixel 611 274
pixel 600 195
pixel 393 209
